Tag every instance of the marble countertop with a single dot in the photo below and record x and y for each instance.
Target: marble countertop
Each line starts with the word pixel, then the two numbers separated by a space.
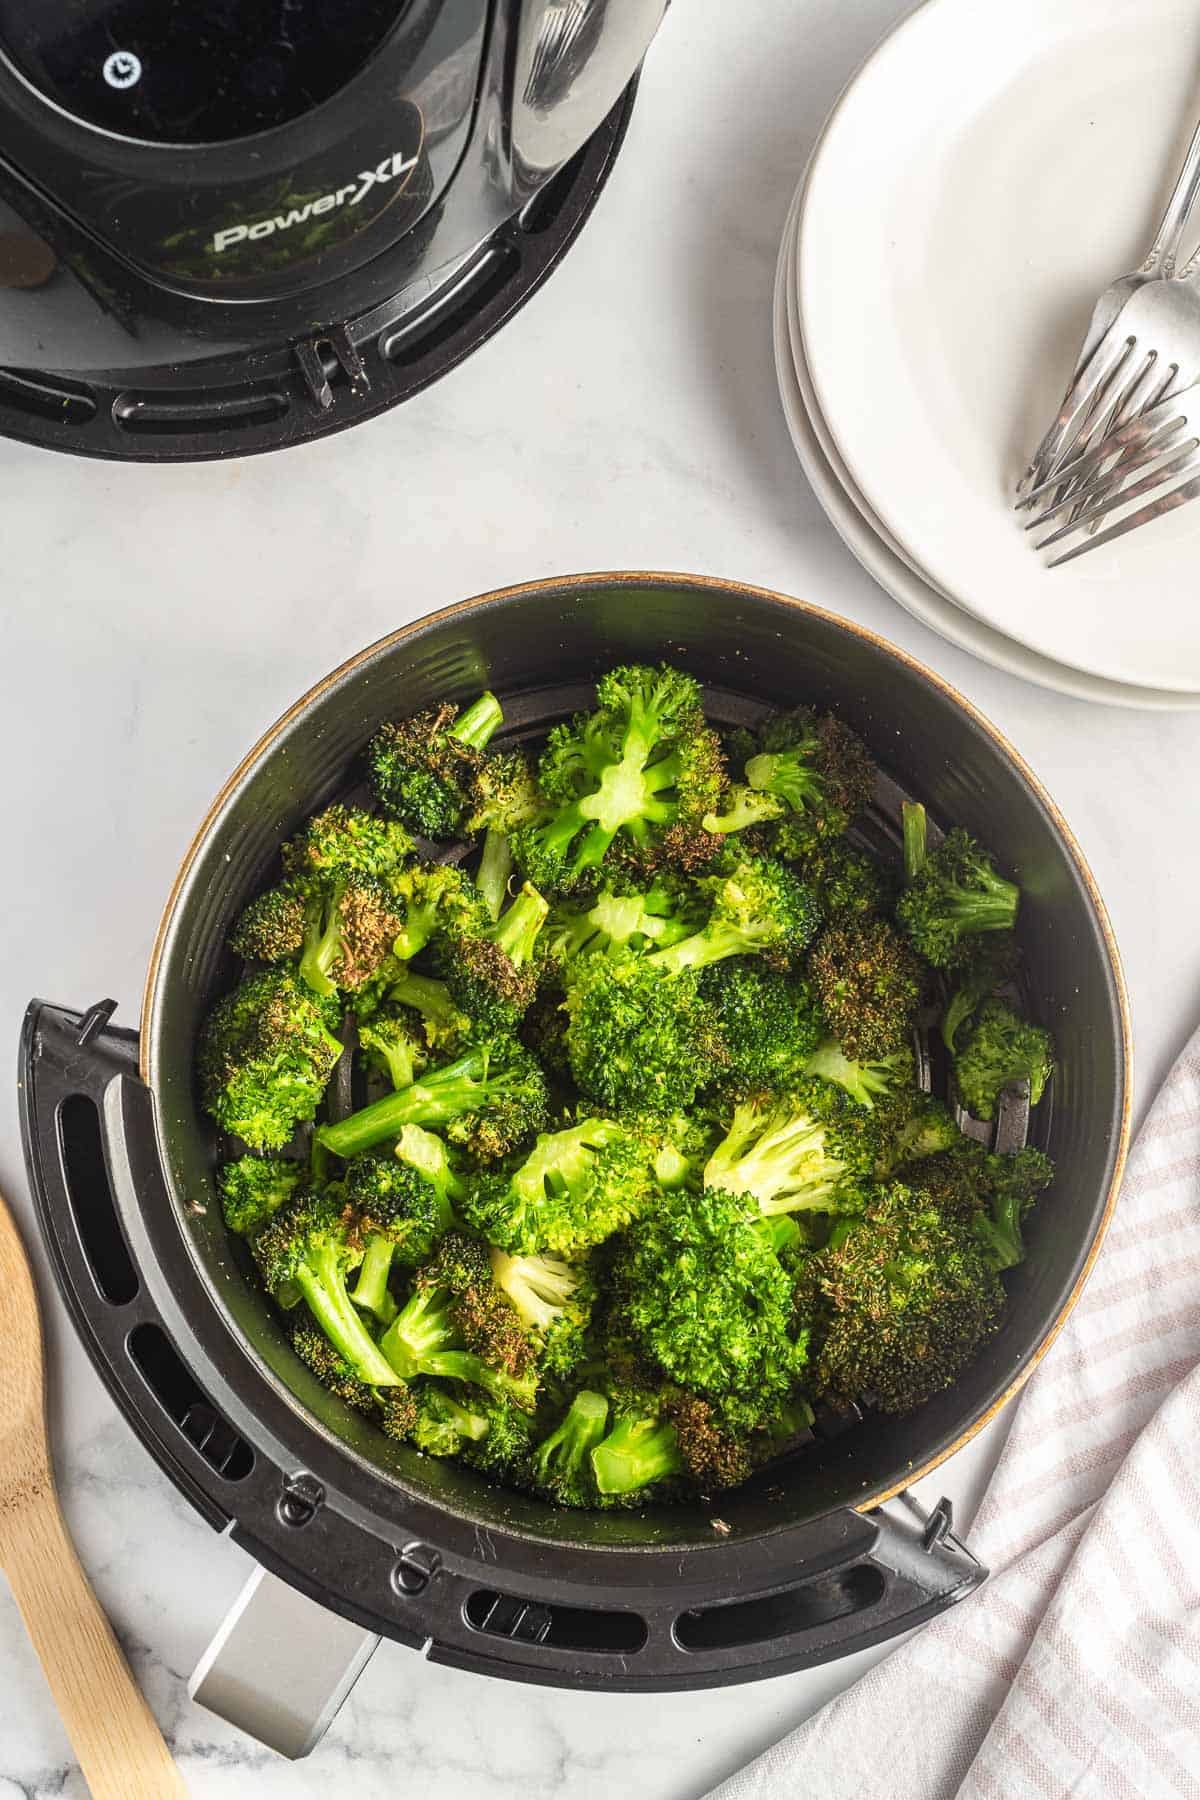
pixel 156 619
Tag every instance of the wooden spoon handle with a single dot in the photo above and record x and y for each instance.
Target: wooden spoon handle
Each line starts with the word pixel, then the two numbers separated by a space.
pixel 114 1734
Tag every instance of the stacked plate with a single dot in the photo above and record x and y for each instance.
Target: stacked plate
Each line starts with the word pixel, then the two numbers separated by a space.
pixel 985 176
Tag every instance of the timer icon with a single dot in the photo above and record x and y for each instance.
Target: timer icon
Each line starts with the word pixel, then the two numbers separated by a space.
pixel 123 69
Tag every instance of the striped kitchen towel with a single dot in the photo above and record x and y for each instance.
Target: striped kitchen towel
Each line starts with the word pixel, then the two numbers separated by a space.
pixel 1075 1671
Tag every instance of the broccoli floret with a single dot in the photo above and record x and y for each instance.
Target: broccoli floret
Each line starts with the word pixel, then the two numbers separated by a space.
pixel 553 1299
pixel 988 963
pixel 998 1048
pixel 848 883
pixel 575 1188
pixel 252 1188
pixel 561 1464
pixel 955 895
pixel 421 768
pixel 265 1055
pixel 993 1192
pixel 865 1082
pixel 433 897
pixel 429 1155
pixel 400 1216
pixel 901 1299
pixel 343 841
pixel 399 1410
pixel 713 1454
pixel 490 969
pixel 504 797
pixel 640 1450
pixel 446 1029
pixel 914 826
pixel 815 765
pixel 913 1125
pixel 390 1047
pixel 271 929
pixel 350 925
pixel 639 1039
pixel 503 1451
pixel 700 1289
pixel 808 1150
pixel 489 1100
pixel 428 1336
pixel 642 919
pixel 483 1315
pixel 445 1420
pixel 310 1245
pixel 766 1021
pixel 644 768
pixel 331 1368
pixel 868 984
pixel 759 908
pixel 744 809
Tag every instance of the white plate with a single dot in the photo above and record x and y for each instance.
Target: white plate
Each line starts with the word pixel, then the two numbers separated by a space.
pixel 994 165
pixel 853 524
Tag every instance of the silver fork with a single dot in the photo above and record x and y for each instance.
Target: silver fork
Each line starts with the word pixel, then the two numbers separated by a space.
pixel 1163 440
pixel 1110 385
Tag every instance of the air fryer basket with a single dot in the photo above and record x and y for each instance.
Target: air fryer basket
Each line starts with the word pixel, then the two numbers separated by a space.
pixel 421 1549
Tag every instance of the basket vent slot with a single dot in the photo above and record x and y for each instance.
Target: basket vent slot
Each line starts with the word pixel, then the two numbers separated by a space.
pixel 558 1627
pixel 816 1602
pixel 47 397
pixel 144 415
pixel 175 1389
pixel 81 1146
pixel 411 340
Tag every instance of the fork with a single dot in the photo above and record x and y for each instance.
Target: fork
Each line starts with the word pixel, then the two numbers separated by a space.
pixel 1092 402
pixel 1163 440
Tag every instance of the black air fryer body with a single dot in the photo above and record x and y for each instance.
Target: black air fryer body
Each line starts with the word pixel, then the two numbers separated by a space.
pixel 795 1567
pixel 226 227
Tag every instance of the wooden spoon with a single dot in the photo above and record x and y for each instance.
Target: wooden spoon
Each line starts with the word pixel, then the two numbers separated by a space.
pixel 119 1746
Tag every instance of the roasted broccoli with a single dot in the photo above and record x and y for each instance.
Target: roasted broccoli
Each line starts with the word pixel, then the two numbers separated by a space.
pixel 252 1188
pixel 643 768
pixel 807 1150
pixel 767 1023
pixel 432 897
pixel 955 894
pixel 454 1304
pixel 640 1450
pixel 993 1192
pixel 866 1082
pixel 504 797
pixel 309 1244
pixel 994 1050
pixel 574 1189
pixel 266 1052
pixel 868 984
pixel 702 1292
pixel 553 1299
pixel 814 765
pixel 399 1216
pixel 899 1301
pixel 271 929
pixel 392 1048
pixel 489 1100
pixel 343 841
pixel 421 768
pixel 490 969
pixel 561 1464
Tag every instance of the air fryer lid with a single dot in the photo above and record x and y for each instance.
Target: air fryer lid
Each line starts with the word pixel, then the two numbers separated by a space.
pixel 540 648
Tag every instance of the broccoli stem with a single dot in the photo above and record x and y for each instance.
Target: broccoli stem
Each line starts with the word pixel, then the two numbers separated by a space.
pixel 425 1152
pixel 992 910
pixel 495 867
pixel 426 996
pixel 371 1290
pixel 479 723
pixel 786 774
pixel 915 844
pixel 439 1100
pixel 563 1452
pixel 743 808
pixel 1000 1232
pixel 321 1284
pixel 635 1453
pixel 713 944
pixel 516 933
pixel 322 938
pixel 419 1331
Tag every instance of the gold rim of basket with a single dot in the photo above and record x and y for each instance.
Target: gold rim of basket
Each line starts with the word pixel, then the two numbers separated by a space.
pixel 632 578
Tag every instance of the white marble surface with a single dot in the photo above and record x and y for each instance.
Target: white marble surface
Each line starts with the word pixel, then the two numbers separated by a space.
pixel 155 620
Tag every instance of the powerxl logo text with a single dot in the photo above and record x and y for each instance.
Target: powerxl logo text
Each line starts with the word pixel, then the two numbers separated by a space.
pixel 392 168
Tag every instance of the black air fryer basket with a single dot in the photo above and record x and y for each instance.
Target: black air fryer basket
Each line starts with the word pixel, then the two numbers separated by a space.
pixel 802 1565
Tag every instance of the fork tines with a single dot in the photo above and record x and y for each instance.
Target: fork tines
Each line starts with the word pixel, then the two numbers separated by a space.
pixel 1153 457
